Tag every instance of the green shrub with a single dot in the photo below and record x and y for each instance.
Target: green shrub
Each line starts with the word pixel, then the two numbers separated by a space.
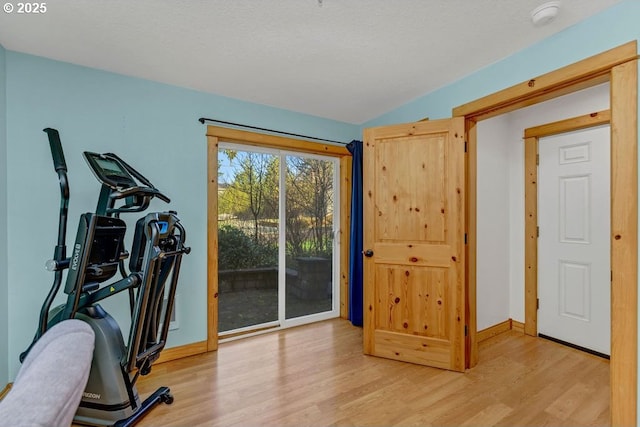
pixel 237 251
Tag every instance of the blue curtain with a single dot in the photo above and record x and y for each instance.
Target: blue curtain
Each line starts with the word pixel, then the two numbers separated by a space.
pixel 355 250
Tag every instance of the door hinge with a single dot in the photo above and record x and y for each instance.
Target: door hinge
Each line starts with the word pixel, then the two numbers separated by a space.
pixel 466 330
pixel 465 238
pixel 611 275
pixel 465 146
pixel 537 159
pixel 537 231
pixel 537 303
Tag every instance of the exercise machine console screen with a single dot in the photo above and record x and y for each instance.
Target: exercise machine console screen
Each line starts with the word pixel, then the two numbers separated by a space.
pixel 108 170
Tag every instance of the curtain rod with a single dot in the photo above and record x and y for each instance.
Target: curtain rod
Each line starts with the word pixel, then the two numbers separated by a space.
pixel 204 119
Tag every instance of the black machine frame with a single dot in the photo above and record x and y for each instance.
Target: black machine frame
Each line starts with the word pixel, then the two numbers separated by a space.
pixel 98 255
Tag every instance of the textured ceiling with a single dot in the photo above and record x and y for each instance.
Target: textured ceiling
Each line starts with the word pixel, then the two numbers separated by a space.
pixel 348 60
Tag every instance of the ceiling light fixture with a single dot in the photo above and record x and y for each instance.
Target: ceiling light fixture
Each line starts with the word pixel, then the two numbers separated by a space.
pixel 545 13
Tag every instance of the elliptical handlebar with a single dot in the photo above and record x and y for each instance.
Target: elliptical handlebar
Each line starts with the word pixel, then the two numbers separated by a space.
pixel 140 191
pixel 59 261
pixel 56 149
pixel 60 165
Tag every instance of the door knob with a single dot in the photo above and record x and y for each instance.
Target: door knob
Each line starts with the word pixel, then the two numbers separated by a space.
pixel 368 253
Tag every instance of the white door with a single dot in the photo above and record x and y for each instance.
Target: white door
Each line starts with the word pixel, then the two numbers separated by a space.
pixel 574 276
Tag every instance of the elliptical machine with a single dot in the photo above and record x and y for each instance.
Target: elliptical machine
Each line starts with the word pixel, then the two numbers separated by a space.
pixel 110 397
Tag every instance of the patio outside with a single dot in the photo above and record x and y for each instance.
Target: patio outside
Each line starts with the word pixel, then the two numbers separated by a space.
pixel 249 221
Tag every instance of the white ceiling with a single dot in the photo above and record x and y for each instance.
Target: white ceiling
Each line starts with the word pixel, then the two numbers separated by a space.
pixel 348 60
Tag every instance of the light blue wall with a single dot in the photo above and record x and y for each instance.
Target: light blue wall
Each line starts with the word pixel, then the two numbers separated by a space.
pixel 4 328
pixel 155 128
pixel 613 27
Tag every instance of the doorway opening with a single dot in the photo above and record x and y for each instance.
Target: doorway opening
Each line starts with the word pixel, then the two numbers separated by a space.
pixel 507 179
pixel 619 67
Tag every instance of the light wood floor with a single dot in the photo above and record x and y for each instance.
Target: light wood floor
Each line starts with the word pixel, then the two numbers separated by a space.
pixel 317 375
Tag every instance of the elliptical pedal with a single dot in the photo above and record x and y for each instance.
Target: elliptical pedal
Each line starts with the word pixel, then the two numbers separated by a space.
pixel 161 395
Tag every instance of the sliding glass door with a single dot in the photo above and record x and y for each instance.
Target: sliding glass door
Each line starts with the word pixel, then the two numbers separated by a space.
pixel 248 230
pixel 309 187
pixel 277 258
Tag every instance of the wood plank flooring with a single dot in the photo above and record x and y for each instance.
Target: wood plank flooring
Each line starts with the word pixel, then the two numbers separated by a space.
pixel 316 375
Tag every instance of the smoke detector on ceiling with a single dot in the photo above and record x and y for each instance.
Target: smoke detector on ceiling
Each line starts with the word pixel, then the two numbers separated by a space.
pixel 545 13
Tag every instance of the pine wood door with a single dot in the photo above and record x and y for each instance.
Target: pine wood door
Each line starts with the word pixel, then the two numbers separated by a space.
pixel 414 290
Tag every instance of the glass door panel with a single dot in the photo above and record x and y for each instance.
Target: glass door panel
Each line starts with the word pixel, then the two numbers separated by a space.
pixel 248 230
pixel 309 237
